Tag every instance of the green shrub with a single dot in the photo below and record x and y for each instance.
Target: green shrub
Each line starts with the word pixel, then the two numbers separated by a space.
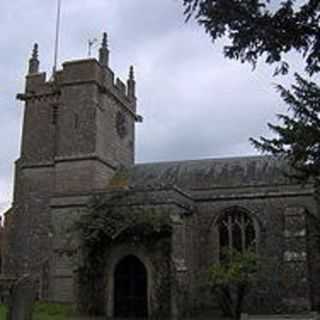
pixel 232 278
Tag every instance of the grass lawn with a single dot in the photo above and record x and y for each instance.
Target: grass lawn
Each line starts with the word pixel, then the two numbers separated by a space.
pixel 45 311
pixel 2 312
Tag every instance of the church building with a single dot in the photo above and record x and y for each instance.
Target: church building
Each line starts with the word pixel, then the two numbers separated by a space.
pixel 163 224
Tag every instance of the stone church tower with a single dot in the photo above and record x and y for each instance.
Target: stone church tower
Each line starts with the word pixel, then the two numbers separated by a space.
pixel 167 222
pixel 78 129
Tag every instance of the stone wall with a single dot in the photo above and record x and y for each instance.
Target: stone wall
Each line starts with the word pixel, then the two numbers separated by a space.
pixel 283 283
pixel 70 145
pixel 171 268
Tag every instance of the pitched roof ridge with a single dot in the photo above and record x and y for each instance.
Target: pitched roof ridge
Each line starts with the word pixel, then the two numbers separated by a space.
pixel 249 157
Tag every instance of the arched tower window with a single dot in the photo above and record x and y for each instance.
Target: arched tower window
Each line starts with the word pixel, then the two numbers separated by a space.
pixel 236 230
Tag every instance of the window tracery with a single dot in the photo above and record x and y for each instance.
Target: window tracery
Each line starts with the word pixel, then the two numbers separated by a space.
pixel 236 231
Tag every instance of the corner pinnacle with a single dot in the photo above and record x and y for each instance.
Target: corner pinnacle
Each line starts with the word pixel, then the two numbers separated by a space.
pixel 131 85
pixel 104 51
pixel 35 51
pixel 104 40
pixel 131 73
pixel 34 61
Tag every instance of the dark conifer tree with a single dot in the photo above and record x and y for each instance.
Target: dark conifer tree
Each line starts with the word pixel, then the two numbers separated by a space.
pixel 267 29
pixel 262 28
pixel 297 137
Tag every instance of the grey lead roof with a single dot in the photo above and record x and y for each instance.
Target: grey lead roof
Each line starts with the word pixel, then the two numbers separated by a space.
pixel 204 174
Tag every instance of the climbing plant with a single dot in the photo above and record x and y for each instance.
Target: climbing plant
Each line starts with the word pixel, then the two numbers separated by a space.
pixel 106 224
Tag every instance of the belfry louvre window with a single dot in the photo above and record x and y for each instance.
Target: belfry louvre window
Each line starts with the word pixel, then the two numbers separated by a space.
pixel 236 231
pixel 54 114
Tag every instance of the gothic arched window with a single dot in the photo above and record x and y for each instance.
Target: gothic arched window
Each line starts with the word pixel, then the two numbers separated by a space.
pixel 236 230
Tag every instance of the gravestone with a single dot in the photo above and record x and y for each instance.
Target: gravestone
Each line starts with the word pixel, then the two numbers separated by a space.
pixel 22 298
pixel 5 287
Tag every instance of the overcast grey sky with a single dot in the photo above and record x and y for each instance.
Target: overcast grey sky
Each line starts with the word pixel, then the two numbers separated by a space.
pixel 195 103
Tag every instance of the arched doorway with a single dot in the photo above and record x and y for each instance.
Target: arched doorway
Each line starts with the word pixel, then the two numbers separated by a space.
pixel 130 289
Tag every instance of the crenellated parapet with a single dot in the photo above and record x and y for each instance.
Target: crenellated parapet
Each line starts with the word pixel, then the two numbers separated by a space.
pixel 36 86
pixel 81 72
pixel 90 71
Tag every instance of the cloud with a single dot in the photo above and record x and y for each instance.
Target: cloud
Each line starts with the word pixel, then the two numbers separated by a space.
pixel 195 102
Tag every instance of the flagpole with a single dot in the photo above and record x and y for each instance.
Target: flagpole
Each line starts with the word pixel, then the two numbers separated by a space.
pixel 56 46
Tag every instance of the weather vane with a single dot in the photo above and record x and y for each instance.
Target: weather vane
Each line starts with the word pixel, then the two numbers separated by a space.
pixel 91 43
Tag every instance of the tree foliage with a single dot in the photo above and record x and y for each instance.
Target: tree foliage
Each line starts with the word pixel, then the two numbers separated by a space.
pixel 259 28
pixel 268 29
pixel 105 223
pixel 232 279
pixel 298 135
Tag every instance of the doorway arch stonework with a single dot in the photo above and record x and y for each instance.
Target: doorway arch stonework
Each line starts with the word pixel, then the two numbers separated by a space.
pixel 130 288
pixel 116 256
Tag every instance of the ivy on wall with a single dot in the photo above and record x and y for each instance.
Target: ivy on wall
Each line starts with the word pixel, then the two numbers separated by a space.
pixel 106 224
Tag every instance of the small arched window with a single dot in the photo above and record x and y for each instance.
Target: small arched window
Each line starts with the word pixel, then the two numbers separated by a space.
pixel 236 231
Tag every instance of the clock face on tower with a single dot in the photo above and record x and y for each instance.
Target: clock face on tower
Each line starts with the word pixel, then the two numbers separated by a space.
pixel 121 124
